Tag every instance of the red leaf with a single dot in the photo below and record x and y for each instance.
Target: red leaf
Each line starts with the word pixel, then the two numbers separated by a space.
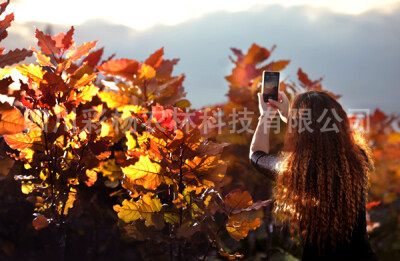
pixel 4 24
pixel 13 57
pixel 165 69
pixel 98 147
pixel 46 43
pixel 156 58
pixel 303 78
pixel 4 84
pixel 3 6
pixel 372 204
pixel 238 199
pixel 40 222
pixel 64 41
pixel 238 53
pixel 94 57
pixel 378 116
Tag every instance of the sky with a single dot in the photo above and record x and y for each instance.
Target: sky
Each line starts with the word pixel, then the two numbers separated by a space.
pixel 354 44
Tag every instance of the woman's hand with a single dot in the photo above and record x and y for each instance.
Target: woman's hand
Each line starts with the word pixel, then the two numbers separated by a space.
pixel 282 105
pixel 271 107
pixel 266 108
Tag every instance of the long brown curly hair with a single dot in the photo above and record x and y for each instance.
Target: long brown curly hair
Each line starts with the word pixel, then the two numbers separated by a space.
pixel 323 173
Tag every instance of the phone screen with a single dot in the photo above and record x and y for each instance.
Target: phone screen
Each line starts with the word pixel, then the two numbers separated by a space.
pixel 270 85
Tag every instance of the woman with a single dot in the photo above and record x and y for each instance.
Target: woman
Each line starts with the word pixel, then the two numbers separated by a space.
pixel 321 175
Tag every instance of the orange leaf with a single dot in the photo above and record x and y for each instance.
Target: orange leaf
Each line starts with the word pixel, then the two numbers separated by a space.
pixel 11 119
pixel 82 50
pixel 280 65
pixel 123 68
pixel 42 59
pixel 22 141
pixel 92 177
pixel 46 43
pixel 239 227
pixel 238 199
pixel 85 79
pixel 156 58
pixel 243 76
pixel 256 54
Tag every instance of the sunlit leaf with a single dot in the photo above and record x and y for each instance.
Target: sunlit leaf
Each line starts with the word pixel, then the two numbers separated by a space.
pixel 11 120
pixel 145 173
pixel 31 71
pixel 123 68
pixel 156 58
pixel 131 211
pixel 113 99
pixel 82 50
pixel 46 43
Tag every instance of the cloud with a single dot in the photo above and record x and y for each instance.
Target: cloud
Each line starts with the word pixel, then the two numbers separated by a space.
pixel 357 55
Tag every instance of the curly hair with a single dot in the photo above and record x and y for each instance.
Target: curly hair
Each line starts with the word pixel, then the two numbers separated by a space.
pixel 323 174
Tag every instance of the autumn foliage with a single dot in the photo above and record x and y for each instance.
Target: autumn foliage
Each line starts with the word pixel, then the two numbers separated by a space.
pixel 180 183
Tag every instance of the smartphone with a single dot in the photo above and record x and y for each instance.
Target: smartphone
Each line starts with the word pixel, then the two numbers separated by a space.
pixel 270 85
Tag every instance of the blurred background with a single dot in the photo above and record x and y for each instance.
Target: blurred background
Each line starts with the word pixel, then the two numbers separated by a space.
pixel 354 44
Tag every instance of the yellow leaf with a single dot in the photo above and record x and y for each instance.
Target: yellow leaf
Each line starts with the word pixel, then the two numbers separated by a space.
pixel 131 142
pixel 113 99
pixel 145 173
pixel 31 71
pixel 110 170
pixel 27 187
pixel 131 211
pixel 147 72
pixel 87 93
pixel 70 202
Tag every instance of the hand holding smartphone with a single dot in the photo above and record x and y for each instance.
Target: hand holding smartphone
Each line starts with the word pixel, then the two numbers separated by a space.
pixel 270 85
